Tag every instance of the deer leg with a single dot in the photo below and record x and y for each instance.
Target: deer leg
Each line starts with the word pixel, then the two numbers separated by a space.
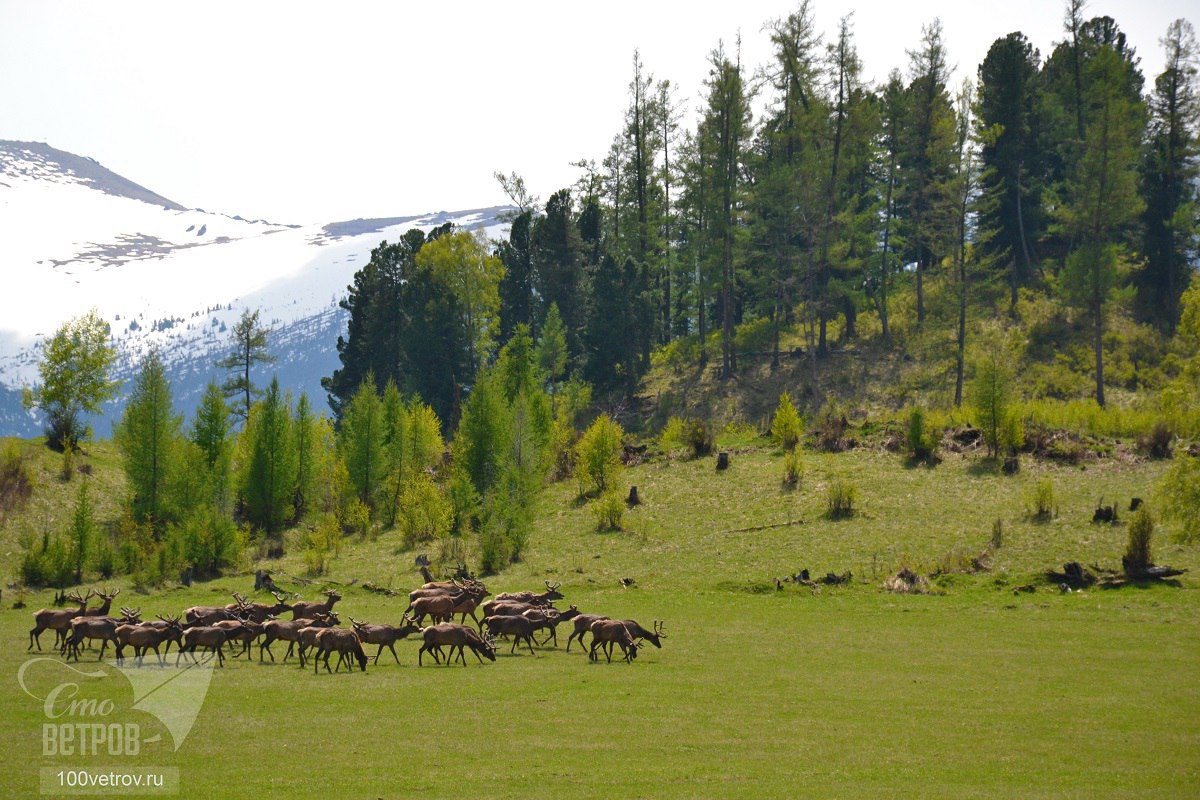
pixel 529 641
pixel 392 647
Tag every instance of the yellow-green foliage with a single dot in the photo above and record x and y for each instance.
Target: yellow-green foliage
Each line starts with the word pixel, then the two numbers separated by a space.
pixel 322 544
pixel 609 510
pixel 425 512
pixel 1041 500
pixel 840 497
pixel 598 455
pixel 786 426
pixel 1137 551
pixel 792 467
pixel 1178 496
pixel 672 435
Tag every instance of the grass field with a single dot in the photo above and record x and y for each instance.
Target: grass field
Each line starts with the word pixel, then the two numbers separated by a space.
pixel 976 691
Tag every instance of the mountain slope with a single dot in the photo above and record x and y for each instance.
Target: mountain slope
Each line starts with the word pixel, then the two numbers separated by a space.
pixel 78 237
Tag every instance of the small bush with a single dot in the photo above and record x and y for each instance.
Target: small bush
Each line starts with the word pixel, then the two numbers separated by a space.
pixel 1137 551
pixel 598 455
pixel 840 498
pixel 16 482
pixel 609 510
pixel 104 559
pixel 1156 443
pixel 48 561
pixel 673 435
pixel 1178 496
pixel 425 512
pixel 699 437
pixel 1041 500
pixel 792 469
pixel 831 428
pixel 787 427
pixel 322 544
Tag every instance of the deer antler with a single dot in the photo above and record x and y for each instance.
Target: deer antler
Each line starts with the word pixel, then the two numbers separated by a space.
pixel 552 586
pixel 278 596
pixel 658 629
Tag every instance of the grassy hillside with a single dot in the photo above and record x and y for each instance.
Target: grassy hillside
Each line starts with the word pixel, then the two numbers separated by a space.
pixel 976 690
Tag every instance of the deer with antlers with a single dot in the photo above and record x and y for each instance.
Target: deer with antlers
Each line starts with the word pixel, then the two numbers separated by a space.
pixel 309 609
pixel 102 628
pixel 289 631
pixel 259 612
pixel 210 637
pixel 148 637
pixel 453 635
pixel 519 628
pixel 207 615
pixel 583 623
pixel 57 620
pixel 606 632
pixel 384 635
pixel 543 599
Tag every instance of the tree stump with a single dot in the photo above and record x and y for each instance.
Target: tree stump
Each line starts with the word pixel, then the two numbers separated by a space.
pixel 723 460
pixel 1011 465
pixel 633 498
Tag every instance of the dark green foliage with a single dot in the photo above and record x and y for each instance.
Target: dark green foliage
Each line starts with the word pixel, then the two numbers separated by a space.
pixel 48 561
pixel 517 300
pixel 698 437
pixel 558 264
pixel 1138 555
pixel 361 441
pixel 619 326
pixel 269 481
pixel 82 531
pixel 922 440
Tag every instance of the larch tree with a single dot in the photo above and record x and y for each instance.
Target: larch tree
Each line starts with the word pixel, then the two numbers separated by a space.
pixel 148 437
pixel 248 349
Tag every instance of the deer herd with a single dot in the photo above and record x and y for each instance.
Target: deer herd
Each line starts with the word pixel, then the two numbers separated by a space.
pixel 314 634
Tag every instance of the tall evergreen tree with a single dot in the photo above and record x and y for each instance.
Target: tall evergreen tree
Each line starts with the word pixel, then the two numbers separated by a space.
pixel 1170 176
pixel 558 257
pixel 362 441
pixel 269 479
pixel 517 299
pixel 249 348
pixel 1008 122
pixel 148 437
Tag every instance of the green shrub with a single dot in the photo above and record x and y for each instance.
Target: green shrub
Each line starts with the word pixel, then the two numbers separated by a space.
pixel 1178 496
pixel 792 468
pixel 756 336
pixel 609 510
pixel 786 426
pixel 922 440
pixel 48 561
pixel 1156 443
pixel 598 455
pixel 840 497
pixel 16 482
pixel 698 437
pixel 1137 552
pixel 104 558
pixel 322 544
pixel 1041 500
pixel 673 435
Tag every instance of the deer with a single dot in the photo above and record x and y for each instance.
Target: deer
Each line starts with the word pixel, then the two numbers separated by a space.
pixel 259 612
pixel 57 620
pixel 607 631
pixel 308 609
pixel 520 628
pixel 453 635
pixel 209 637
pixel 510 608
pixel 207 615
pixel 345 642
pixel 102 609
pixel 289 631
pixel 103 628
pixel 545 598
pixel 384 635
pixel 146 637
pixel 244 631
pixel 549 620
pixel 441 608
pixel 583 623
pixel 638 632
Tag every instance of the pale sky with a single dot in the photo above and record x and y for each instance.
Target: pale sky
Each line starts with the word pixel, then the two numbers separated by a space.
pixel 303 112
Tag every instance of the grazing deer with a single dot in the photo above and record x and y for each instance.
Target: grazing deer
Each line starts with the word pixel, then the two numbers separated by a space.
pixel 289 631
pixel 544 599
pixel 384 635
pixel 345 642
pixel 454 636
pixel 520 628
pixel 583 623
pixel 148 637
pixel 309 609
pixel 102 628
pixel 638 632
pixel 605 632
pixel 57 620
pixel 209 637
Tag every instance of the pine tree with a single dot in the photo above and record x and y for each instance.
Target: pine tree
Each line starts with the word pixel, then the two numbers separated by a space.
pixel 148 438
pixel 249 348
pixel 1169 177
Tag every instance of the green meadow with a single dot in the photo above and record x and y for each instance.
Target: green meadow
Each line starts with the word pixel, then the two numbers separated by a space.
pixel 973 690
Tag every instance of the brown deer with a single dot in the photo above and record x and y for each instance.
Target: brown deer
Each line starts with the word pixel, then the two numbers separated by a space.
pixel 289 631
pixel 520 628
pixel 244 631
pixel 57 620
pixel 545 598
pixel 345 642
pixel 605 632
pixel 207 615
pixel 384 635
pixel 209 637
pixel 148 637
pixel 453 635
pixel 259 612
pixel 102 628
pixel 441 608
pixel 309 609
pixel 638 632
pixel 549 620
pixel 583 623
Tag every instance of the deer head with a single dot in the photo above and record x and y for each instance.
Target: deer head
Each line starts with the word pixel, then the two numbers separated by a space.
pixel 658 629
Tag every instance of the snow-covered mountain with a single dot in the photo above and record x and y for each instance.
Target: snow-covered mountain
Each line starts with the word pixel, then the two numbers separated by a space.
pixel 75 236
